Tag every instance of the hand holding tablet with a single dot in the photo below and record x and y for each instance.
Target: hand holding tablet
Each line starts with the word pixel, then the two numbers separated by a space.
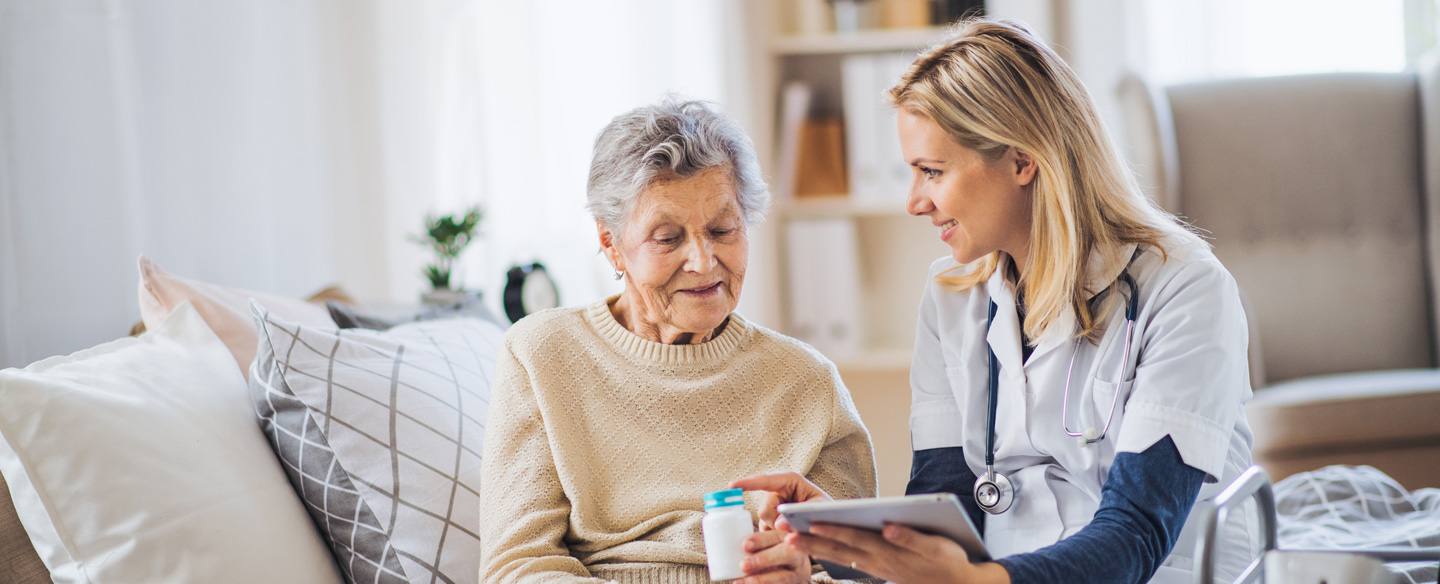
pixel 937 514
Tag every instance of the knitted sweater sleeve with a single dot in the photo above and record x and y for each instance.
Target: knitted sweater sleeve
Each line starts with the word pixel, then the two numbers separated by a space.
pixel 524 512
pixel 845 467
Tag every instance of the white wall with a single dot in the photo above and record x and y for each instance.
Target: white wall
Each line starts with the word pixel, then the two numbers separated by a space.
pixel 251 144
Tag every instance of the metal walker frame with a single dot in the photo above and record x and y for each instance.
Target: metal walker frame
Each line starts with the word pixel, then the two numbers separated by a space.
pixel 1255 482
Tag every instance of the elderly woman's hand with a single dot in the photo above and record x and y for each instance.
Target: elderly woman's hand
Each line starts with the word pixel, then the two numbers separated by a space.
pixel 780 487
pixel 769 560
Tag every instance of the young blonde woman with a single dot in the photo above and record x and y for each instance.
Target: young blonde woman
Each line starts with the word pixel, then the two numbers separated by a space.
pixel 1080 360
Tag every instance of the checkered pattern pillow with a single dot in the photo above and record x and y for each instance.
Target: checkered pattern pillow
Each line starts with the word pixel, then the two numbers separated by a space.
pixel 380 433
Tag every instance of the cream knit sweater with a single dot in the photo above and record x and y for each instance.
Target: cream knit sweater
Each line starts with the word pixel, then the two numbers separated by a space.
pixel 599 444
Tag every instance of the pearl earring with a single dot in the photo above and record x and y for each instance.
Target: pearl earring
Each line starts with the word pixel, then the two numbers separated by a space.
pixel 619 274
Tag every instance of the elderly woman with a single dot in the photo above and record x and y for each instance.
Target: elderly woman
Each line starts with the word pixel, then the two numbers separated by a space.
pixel 608 422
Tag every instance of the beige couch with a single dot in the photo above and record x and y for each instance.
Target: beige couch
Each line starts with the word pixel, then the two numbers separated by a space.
pixel 1322 194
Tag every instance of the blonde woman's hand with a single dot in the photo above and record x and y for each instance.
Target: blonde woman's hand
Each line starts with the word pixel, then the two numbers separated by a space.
pixel 897 554
pixel 779 487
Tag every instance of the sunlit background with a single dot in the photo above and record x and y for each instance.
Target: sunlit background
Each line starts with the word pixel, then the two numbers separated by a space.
pixel 285 145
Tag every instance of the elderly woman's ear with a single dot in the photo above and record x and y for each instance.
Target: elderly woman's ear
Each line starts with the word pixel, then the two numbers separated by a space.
pixel 610 246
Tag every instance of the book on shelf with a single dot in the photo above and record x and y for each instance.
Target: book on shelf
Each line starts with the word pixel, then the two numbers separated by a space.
pixel 878 171
pixel 823 271
pixel 794 108
pixel 905 13
pixel 820 168
pixel 812 150
pixel 813 17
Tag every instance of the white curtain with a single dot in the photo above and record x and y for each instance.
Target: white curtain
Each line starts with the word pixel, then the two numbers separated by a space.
pixel 1178 41
pixel 276 145
pixel 1189 41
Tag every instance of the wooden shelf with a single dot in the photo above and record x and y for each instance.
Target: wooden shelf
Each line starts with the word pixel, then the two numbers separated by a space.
pixel 865 41
pixel 838 206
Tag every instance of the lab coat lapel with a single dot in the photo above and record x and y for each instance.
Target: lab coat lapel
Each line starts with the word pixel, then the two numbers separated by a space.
pixel 1004 334
pixel 1061 334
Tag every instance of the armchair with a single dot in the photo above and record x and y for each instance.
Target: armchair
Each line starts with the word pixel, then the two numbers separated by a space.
pixel 1322 196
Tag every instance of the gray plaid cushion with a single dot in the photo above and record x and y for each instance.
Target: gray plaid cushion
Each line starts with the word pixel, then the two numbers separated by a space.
pixel 380 433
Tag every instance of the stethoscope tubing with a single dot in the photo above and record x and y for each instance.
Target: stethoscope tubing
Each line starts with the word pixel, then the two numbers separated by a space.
pixel 994 492
pixel 994 394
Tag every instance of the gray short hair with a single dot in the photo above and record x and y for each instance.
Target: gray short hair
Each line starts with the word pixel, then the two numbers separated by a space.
pixel 673 138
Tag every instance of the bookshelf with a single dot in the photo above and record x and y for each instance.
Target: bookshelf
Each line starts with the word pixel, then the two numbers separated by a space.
pixel 834 206
pixel 884 253
pixel 890 250
pixel 907 39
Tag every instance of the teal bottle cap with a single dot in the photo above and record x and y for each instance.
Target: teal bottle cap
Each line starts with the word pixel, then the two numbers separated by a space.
pixel 725 498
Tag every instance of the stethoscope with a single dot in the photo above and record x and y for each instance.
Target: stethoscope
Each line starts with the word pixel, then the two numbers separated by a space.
pixel 993 491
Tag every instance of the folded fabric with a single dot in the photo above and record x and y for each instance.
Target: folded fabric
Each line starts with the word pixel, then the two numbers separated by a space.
pixel 1354 507
pixel 346 316
pixel 380 434
pixel 226 310
pixel 140 460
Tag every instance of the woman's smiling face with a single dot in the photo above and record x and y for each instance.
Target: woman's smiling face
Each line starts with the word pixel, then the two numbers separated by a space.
pixel 978 206
pixel 684 252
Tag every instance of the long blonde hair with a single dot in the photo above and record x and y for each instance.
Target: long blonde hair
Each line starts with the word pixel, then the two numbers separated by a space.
pixel 992 85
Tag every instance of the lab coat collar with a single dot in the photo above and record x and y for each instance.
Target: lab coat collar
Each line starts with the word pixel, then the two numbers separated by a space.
pixel 1004 333
pixel 1100 275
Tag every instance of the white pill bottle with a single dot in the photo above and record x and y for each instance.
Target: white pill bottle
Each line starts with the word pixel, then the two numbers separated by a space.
pixel 726 525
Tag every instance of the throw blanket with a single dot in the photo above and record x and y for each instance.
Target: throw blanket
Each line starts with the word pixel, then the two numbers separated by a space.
pixel 1357 507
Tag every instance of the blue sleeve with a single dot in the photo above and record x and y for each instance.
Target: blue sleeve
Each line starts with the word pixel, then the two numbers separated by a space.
pixel 943 470
pixel 1143 505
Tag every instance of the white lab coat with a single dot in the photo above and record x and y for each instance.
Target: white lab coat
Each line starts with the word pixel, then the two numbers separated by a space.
pixel 1191 383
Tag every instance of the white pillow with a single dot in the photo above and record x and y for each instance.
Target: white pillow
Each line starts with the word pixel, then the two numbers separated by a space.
pixel 140 460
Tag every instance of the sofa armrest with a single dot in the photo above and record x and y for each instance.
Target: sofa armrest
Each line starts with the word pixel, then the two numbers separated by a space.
pixel 1358 418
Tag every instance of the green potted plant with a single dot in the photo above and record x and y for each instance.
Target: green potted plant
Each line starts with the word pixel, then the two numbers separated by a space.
pixel 447 236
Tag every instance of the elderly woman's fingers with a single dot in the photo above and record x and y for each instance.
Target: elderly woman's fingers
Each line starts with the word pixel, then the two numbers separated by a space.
pixel 769 503
pixel 783 524
pixel 771 561
pixel 777 577
pixel 761 540
pixel 791 486
pixel 778 555
pixel 780 487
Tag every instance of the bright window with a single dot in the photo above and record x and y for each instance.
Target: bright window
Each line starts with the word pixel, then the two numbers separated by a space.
pixel 1190 41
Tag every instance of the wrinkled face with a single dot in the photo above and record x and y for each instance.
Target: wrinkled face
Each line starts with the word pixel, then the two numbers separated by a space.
pixel 978 207
pixel 684 252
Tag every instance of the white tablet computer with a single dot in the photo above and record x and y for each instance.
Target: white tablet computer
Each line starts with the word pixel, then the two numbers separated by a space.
pixel 936 514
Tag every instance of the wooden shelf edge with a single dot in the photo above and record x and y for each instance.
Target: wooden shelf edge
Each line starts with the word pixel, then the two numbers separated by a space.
pixel 865 41
pixel 838 206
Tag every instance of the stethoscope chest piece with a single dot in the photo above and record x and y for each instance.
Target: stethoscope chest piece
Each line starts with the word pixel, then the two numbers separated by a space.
pixel 993 492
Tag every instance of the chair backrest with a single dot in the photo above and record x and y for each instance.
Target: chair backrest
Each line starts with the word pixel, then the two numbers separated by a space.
pixel 1314 190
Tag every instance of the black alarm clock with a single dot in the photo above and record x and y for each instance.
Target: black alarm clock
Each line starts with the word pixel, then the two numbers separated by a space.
pixel 529 289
